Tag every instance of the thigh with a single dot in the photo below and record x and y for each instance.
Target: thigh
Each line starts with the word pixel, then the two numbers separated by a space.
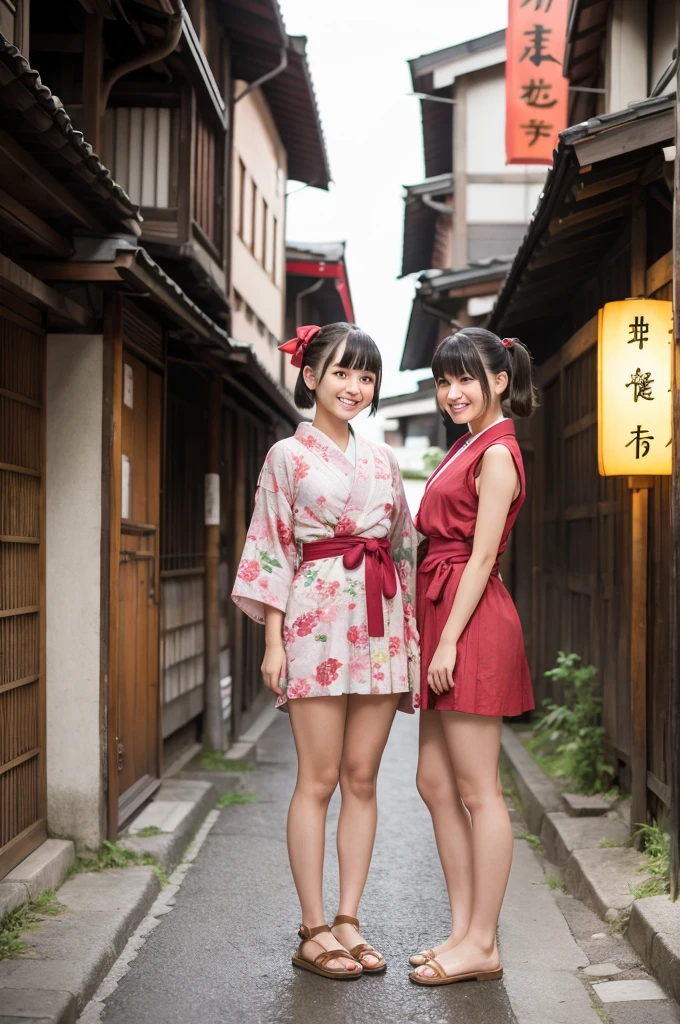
pixel 318 725
pixel 474 744
pixel 369 720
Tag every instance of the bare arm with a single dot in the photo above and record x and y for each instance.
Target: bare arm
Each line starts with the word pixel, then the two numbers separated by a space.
pixel 274 661
pixel 497 488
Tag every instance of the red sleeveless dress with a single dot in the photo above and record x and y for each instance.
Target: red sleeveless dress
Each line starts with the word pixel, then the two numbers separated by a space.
pixel 491 676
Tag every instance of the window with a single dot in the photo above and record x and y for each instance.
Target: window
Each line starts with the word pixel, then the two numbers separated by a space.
pixel 241 198
pixel 274 244
pixel 261 327
pixel 253 223
pixel 265 215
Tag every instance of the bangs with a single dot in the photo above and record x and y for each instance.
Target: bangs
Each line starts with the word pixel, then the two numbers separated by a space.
pixel 361 353
pixel 456 356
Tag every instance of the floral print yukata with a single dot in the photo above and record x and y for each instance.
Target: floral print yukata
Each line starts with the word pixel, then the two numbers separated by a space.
pixel 309 490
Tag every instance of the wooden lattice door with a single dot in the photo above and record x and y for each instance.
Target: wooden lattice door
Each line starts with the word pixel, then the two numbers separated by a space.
pixel 22 660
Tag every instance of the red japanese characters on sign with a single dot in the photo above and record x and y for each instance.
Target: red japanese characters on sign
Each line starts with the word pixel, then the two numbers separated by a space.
pixel 535 90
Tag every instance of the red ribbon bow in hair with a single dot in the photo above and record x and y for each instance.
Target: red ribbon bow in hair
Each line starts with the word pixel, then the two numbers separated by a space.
pixel 296 346
pixel 508 342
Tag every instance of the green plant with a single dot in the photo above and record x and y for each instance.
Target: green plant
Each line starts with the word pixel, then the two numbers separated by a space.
pixel 556 883
pixel 606 844
pixel 572 732
pixel 23 919
pixel 228 799
pixel 111 855
pixel 533 841
pixel 149 830
pixel 215 761
pixel 432 458
pixel 657 847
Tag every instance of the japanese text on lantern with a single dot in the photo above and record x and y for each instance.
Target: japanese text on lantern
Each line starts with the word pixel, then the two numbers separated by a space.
pixel 634 388
pixel 536 93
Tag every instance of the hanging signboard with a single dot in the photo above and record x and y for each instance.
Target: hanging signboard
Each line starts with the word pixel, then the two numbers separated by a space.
pixel 634 388
pixel 536 93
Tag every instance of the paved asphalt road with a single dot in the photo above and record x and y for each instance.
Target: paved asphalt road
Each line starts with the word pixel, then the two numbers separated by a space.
pixel 222 956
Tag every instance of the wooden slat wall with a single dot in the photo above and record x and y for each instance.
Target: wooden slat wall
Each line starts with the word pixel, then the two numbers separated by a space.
pixel 208 192
pixel 577 539
pixel 22 681
pixel 138 147
pixel 182 546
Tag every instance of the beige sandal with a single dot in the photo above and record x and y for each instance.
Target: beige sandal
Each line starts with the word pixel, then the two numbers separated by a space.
pixel 319 965
pixel 450 979
pixel 362 949
pixel 420 959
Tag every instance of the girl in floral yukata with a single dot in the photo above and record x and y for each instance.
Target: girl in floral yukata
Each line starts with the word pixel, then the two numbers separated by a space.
pixel 328 567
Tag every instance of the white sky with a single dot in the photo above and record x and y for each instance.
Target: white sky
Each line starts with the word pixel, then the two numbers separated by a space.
pixel 357 51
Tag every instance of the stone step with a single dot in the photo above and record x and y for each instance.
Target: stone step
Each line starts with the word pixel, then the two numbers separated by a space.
pixel 578 805
pixel 561 834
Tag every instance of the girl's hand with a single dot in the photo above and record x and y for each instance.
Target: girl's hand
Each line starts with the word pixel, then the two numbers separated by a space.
pixel 440 672
pixel 274 667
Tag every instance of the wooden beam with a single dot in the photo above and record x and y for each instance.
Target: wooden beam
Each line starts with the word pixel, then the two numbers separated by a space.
pixel 635 134
pixel 18 281
pixel 113 342
pixel 638 650
pixel 79 271
pixel 583 190
pixel 674 553
pixel 660 273
pixel 587 218
pixel 18 218
pixel 50 188
pixel 213 723
pixel 466 291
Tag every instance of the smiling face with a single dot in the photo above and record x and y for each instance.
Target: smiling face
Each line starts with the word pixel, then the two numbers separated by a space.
pixel 342 391
pixel 461 396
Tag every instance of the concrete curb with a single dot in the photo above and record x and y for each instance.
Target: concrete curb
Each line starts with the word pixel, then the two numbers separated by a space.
pixel 45 868
pixel 654 933
pixel 537 792
pixel 73 952
pixel 597 875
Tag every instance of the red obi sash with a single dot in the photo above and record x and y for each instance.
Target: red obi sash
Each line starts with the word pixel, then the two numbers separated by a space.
pixel 442 555
pixel 380 571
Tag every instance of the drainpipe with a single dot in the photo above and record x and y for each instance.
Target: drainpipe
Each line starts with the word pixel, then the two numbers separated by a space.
pixel 282 65
pixel 143 59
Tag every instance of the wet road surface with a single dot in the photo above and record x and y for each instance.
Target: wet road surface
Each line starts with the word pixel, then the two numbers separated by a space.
pixel 222 955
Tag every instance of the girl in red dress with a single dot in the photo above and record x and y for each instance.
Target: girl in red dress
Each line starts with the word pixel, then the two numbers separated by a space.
pixel 473 665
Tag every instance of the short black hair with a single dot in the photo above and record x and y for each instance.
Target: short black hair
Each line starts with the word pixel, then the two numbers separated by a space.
pixel 474 350
pixel 361 353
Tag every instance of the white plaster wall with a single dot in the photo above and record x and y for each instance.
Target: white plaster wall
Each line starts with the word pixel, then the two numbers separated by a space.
pixel 75 782
pixel 663 41
pixel 257 144
pixel 501 204
pixel 485 143
pixel 626 55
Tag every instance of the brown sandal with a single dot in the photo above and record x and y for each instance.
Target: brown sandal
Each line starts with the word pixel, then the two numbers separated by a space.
pixel 420 959
pixel 362 949
pixel 443 978
pixel 319 965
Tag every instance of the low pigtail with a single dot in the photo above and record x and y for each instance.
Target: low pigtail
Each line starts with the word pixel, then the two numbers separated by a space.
pixel 522 393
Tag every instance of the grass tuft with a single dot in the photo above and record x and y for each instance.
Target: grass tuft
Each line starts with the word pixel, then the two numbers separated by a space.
pixel 215 761
pixel 231 798
pixel 556 883
pixel 111 855
pixel 148 831
pixel 533 841
pixel 23 919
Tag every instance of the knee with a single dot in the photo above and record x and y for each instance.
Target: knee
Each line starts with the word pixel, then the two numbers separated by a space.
pixel 320 786
pixel 358 781
pixel 433 788
pixel 477 798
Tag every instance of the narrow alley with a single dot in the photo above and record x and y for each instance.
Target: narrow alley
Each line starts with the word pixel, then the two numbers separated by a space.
pixel 223 954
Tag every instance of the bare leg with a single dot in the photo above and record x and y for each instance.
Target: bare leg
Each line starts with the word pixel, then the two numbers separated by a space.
pixel 369 720
pixel 437 786
pixel 473 743
pixel 318 725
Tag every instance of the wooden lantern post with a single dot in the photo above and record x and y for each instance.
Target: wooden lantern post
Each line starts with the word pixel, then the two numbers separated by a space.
pixel 675 515
pixel 213 723
pixel 634 421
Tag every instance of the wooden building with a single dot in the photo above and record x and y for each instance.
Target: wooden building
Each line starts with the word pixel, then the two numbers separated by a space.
pixel 602 232
pixel 132 424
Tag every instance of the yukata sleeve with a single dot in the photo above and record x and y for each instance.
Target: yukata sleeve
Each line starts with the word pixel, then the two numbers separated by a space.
pixel 404 544
pixel 267 567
